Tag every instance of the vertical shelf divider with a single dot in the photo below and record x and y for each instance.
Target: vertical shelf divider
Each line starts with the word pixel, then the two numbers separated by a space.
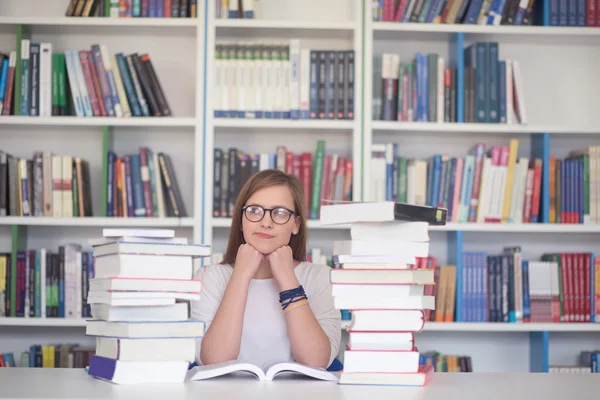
pixel 539 349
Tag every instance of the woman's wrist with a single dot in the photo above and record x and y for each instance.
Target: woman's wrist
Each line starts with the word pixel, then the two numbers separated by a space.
pixel 288 281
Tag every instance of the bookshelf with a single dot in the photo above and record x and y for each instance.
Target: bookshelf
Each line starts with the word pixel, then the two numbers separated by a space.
pixel 566 122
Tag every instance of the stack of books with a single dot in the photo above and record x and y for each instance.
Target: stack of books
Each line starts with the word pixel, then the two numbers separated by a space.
pixel 139 304
pixel 377 280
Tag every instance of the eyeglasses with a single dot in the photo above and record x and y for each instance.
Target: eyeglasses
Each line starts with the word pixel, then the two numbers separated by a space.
pixel 279 215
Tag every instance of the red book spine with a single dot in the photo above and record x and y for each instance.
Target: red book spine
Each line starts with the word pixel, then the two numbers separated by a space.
pixel 97 88
pixel 569 307
pixel 296 162
pixel 289 163
pixel 479 153
pixel 167 9
pixel 306 179
pixel 536 194
pixel 89 83
pixel 587 262
pixel 348 181
pixel 591 13
pixel 146 181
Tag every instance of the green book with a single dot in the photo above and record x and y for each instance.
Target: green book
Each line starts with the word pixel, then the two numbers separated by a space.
pixel 315 203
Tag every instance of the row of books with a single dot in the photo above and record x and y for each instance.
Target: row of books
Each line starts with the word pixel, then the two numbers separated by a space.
pixel 445 362
pixel 85 83
pixel 587 362
pixel 46 284
pixel 143 185
pixel 324 176
pixel 559 287
pixel 50 356
pixel 48 184
pixel 226 9
pixel 494 91
pixel 490 184
pixel 133 8
pixel 423 89
pixel 480 12
pixel 283 81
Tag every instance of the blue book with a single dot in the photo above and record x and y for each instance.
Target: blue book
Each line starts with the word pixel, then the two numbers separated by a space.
pixel 139 208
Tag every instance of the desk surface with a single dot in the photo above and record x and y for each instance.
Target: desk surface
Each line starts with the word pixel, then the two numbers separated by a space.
pixel 69 384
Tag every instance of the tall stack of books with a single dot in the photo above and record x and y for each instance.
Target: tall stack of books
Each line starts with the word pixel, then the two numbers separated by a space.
pixel 139 305
pixel 378 281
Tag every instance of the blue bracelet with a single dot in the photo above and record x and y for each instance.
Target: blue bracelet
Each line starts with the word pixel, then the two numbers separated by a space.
pixel 290 296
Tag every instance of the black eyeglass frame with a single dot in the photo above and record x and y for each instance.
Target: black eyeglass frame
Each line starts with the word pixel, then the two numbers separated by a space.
pixel 292 212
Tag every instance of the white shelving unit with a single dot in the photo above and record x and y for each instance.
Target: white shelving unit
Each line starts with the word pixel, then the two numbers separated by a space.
pixel 181 49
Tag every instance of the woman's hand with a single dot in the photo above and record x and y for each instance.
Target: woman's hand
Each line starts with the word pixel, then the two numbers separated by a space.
pixel 248 261
pixel 282 267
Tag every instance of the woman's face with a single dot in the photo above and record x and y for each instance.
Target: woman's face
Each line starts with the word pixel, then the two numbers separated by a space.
pixel 266 230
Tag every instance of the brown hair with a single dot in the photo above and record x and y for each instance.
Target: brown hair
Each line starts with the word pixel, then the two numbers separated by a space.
pixel 261 180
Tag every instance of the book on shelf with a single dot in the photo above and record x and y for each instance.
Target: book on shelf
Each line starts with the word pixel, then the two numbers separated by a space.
pixel 50 356
pixel 266 372
pixel 48 184
pixel 424 89
pixel 385 290
pixel 323 175
pixel 505 287
pixel 235 9
pixel 133 8
pixel 587 362
pixel 446 362
pixel 143 185
pixel 482 12
pixel 131 349
pixel 41 283
pixel 489 184
pixel 82 83
pixel 283 81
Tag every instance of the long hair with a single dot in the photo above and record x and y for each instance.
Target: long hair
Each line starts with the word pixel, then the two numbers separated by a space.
pixel 261 180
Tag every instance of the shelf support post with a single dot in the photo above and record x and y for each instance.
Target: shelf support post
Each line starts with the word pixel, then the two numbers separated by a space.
pixel 539 348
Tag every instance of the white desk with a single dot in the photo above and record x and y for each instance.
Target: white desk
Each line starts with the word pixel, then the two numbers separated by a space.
pixel 68 384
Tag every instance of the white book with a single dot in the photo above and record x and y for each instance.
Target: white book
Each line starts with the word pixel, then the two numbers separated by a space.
pixel 294 79
pixel 385 303
pixel 178 349
pixel 162 249
pixel 248 6
pixel 147 233
pixel 379 247
pixel 359 291
pixel 146 329
pixel 45 79
pixel 165 313
pixel 218 86
pixel 259 82
pixel 397 276
pixel 268 82
pixel 304 84
pixel 231 80
pixel 138 298
pixel 73 82
pixel 264 372
pixel 278 83
pixel 108 68
pixel 286 82
pixel 510 107
pixel 158 182
pixel 387 320
pixel 143 266
pixel 250 87
pixel 381 361
pixel 241 80
pixel 416 231
pixel 67 186
pixel 441 81
pixel 57 197
pixel 382 341
pixel 135 239
pixel 85 97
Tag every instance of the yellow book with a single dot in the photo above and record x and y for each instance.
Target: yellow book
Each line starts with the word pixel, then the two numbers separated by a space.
pixel 510 178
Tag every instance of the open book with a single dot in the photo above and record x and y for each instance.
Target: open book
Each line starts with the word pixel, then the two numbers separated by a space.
pixel 265 372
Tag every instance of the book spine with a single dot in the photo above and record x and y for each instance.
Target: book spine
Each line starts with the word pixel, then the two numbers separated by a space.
pixel 103 80
pixel 45 80
pixel 145 177
pixel 108 70
pixel 137 86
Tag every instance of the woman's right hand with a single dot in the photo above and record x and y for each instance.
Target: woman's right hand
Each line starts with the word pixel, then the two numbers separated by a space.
pixel 247 261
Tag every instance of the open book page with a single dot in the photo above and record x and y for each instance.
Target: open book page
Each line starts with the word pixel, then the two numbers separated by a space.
pixel 213 370
pixel 275 367
pixel 267 372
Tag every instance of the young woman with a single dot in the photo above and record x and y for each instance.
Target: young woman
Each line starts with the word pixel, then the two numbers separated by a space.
pixel 265 302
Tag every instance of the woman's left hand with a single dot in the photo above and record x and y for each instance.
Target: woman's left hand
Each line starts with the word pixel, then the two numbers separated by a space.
pixel 282 267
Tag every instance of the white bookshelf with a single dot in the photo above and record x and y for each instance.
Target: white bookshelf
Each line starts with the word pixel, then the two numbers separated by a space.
pixel 566 110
